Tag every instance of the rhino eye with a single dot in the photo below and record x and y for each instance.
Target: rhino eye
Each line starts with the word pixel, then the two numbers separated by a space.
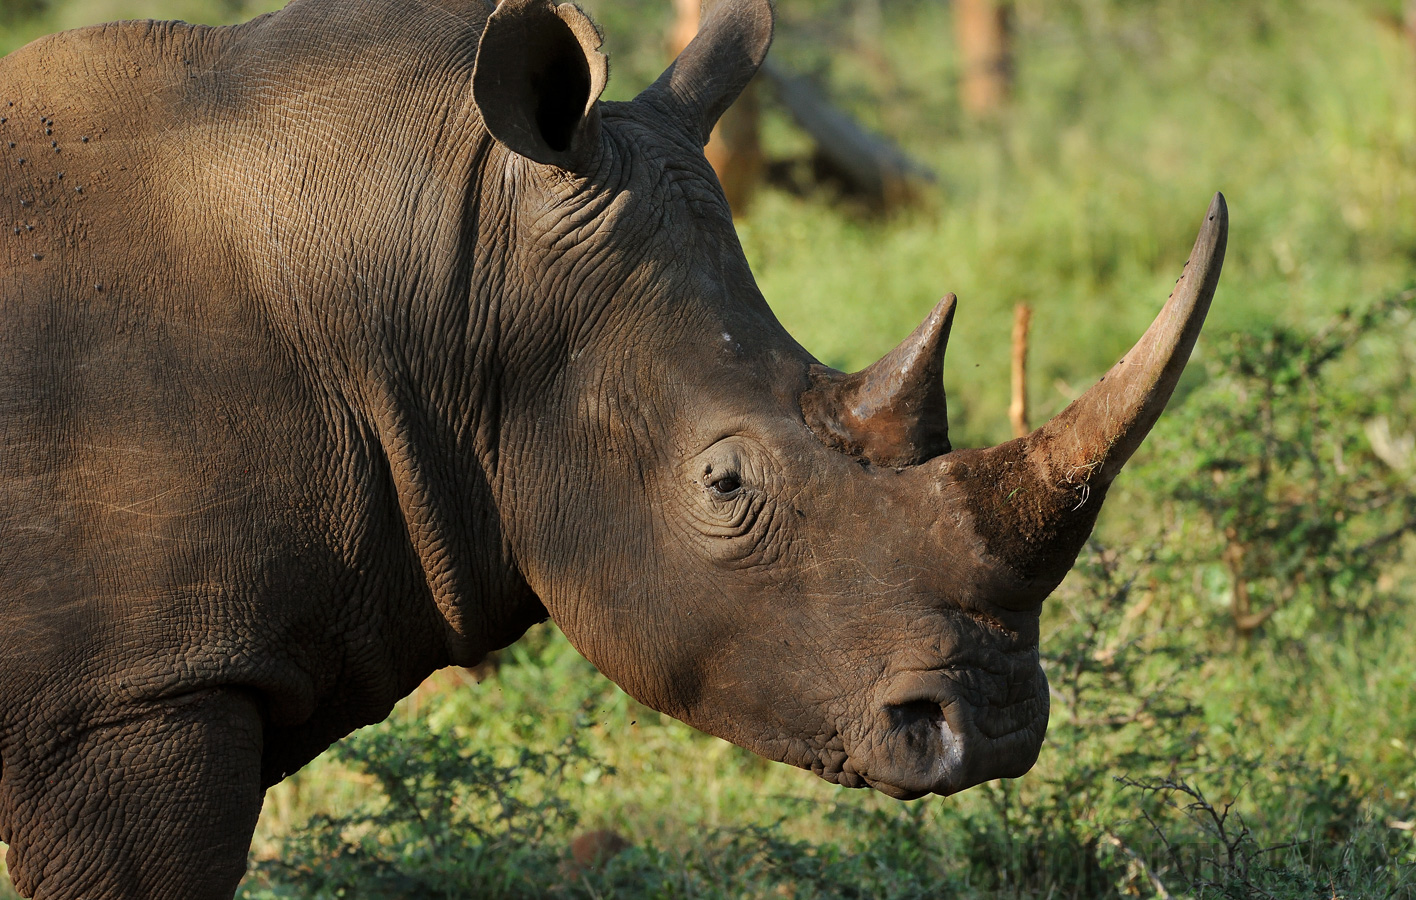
pixel 727 484
pixel 724 484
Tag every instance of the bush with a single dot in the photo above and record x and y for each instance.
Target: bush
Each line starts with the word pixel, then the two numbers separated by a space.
pixel 447 818
pixel 1292 488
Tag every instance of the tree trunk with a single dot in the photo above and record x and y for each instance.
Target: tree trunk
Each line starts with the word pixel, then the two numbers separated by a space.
pixel 1018 409
pixel 982 30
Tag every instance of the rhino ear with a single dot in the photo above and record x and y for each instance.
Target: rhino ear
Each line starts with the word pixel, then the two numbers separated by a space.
pixel 538 76
pixel 713 69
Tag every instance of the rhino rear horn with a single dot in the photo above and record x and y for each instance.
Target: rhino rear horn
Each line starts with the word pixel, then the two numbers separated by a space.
pixel 538 76
pixel 891 413
pixel 716 66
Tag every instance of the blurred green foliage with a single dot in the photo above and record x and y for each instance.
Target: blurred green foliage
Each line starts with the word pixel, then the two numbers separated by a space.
pixel 20 10
pixel 1289 456
pixel 1186 756
pixel 1082 199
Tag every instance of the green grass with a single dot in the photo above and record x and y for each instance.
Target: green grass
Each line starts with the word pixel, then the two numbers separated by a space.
pixel 1081 199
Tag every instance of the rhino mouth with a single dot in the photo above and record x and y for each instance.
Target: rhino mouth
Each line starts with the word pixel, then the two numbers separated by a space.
pixel 941 731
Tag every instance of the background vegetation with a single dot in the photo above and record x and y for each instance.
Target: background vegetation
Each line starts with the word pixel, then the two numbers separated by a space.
pixel 1234 708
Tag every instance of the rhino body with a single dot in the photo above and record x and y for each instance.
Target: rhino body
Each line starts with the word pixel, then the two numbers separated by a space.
pixel 345 344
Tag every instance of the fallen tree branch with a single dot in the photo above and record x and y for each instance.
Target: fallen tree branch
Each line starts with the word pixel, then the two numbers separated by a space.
pixel 870 165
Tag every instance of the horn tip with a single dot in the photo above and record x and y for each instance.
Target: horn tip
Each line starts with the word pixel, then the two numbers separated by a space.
pixel 1210 242
pixel 943 314
pixel 1218 216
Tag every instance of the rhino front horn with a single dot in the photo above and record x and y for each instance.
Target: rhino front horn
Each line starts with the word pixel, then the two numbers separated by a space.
pixel 1089 441
pixel 893 412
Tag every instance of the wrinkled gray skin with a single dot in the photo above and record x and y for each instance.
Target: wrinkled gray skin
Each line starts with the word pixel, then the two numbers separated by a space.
pixel 334 350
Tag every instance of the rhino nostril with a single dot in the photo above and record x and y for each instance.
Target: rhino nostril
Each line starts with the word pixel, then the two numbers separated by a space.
pixel 912 714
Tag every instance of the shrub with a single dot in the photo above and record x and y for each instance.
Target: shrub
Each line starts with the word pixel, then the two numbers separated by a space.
pixel 1287 474
pixel 447 818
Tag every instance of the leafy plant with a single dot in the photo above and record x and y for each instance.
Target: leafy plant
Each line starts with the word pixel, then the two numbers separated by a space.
pixel 1222 856
pixel 1289 454
pixel 448 818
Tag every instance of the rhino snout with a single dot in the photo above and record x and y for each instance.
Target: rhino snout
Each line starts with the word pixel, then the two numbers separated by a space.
pixel 948 729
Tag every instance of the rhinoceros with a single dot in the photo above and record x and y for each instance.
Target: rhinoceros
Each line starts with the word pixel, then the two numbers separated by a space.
pixel 345 344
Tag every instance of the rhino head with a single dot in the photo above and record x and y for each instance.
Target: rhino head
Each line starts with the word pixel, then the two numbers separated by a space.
pixel 787 556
